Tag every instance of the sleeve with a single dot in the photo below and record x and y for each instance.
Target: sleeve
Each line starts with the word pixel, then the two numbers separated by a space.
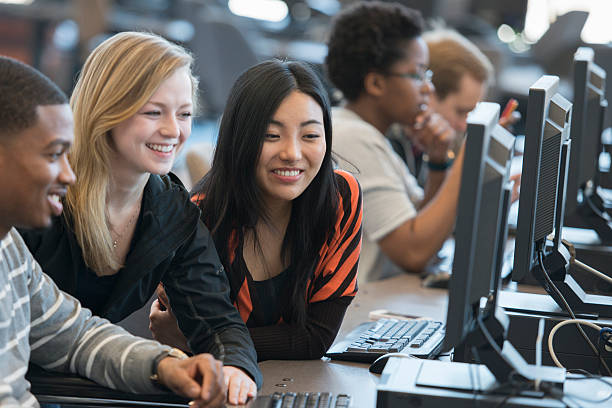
pixel 331 291
pixel 66 337
pixel 336 273
pixel 198 290
pixel 390 192
pixel 310 341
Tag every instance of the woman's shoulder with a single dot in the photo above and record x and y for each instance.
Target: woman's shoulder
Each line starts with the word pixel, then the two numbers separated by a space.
pixel 348 185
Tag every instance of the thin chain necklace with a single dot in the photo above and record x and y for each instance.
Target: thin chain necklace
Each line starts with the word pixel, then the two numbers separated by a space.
pixel 118 236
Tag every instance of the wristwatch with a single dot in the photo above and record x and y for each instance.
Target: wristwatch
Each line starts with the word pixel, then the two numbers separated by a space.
pixel 441 166
pixel 174 353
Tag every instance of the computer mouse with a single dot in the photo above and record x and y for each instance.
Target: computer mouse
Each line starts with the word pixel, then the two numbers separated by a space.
pixel 379 364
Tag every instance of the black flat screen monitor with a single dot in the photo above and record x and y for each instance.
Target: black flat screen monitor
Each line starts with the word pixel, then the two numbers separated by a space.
pixel 587 126
pixel 540 204
pixel 539 252
pixel 474 323
pixel 480 230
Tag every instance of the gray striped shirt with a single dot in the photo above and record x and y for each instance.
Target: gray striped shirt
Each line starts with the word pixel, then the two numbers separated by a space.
pixel 42 324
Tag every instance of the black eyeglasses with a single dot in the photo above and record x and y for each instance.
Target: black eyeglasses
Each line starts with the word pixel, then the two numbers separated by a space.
pixel 420 77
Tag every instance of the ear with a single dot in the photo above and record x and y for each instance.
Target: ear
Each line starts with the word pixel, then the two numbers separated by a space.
pixel 375 84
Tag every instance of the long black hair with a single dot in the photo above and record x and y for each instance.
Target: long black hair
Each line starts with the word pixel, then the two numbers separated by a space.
pixel 232 200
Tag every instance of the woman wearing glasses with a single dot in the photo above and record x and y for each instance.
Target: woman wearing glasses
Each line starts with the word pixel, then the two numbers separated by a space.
pixel 378 60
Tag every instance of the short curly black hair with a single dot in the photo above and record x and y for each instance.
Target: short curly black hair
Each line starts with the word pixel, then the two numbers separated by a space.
pixel 368 37
pixel 22 90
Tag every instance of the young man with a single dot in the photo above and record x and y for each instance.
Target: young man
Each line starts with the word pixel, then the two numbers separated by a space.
pixel 379 61
pixel 38 322
pixel 462 74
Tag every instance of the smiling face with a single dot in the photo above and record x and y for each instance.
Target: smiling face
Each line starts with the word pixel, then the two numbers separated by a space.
pixel 292 151
pixel 35 170
pixel 149 141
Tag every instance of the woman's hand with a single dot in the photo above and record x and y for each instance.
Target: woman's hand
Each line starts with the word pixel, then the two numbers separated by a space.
pixel 163 325
pixel 433 135
pixel 239 385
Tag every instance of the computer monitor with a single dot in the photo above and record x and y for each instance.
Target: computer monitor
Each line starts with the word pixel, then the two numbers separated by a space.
pixel 538 249
pixel 587 126
pixel 473 320
pixel 487 153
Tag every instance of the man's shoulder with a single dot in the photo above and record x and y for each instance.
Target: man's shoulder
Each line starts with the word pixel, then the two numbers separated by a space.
pixel 348 125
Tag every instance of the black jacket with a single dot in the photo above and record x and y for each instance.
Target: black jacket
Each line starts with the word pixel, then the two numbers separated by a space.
pixel 170 245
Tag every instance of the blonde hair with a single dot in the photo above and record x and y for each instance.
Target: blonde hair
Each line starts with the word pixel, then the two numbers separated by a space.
pixel 118 78
pixel 451 56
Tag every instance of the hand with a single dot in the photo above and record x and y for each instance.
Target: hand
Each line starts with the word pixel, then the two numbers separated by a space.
pixel 432 134
pixel 199 378
pixel 509 121
pixel 516 187
pixel 239 385
pixel 163 325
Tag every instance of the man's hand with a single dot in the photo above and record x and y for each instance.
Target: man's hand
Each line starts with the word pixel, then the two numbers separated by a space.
pixel 239 385
pixel 508 122
pixel 163 325
pixel 516 187
pixel 432 134
pixel 199 378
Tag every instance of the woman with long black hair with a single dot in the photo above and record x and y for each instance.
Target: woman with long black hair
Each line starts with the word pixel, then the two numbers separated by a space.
pixel 287 226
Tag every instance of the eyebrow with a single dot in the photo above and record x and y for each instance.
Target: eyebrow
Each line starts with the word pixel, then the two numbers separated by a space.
pixel 163 105
pixel 306 123
pixel 58 142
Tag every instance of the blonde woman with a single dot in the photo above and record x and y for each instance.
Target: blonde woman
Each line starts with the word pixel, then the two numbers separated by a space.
pixel 128 224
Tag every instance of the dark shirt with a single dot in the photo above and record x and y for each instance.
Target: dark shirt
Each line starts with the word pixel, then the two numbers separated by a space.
pixel 269 294
pixel 172 246
pixel 330 291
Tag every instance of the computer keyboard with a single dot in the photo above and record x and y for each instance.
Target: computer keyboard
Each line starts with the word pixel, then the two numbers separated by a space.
pixel 420 338
pixel 301 400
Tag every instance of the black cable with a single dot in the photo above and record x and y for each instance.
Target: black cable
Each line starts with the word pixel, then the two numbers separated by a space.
pixel 568 309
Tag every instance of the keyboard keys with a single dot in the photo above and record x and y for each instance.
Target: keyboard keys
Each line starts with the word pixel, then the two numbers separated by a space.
pixel 342 401
pixel 325 400
pixel 300 400
pixel 392 336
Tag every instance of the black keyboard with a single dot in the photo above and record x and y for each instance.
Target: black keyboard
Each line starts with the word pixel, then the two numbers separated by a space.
pixel 301 400
pixel 420 338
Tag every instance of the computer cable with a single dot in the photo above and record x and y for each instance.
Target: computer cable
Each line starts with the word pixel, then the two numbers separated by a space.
pixel 568 309
pixel 592 270
pixel 551 336
pixel 605 335
pixel 538 351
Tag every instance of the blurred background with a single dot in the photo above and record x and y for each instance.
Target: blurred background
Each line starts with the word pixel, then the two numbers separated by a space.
pixel 523 38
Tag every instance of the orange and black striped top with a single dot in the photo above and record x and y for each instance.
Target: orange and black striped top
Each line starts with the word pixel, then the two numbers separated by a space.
pixel 329 292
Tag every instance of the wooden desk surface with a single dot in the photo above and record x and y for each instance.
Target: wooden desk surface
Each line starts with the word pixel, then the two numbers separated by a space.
pixel 402 294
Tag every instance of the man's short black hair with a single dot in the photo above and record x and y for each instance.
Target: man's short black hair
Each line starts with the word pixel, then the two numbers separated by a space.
pixel 22 89
pixel 368 37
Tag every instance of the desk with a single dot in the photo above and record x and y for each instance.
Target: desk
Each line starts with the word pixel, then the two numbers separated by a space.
pixel 402 294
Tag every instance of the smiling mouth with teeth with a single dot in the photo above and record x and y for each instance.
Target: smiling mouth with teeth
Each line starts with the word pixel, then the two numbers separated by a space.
pixel 287 173
pixel 55 197
pixel 160 148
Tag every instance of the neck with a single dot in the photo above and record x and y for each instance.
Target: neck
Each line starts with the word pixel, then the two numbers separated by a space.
pixel 368 111
pixel 4 232
pixel 125 190
pixel 278 215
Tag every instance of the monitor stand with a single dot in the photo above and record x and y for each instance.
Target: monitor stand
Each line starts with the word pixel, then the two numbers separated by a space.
pixel 556 262
pixel 408 382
